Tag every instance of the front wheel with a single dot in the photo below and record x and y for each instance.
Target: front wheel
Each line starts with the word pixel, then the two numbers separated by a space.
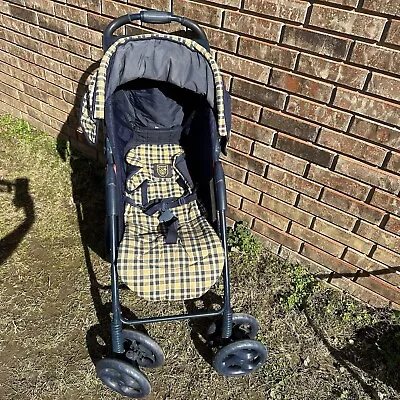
pixel 123 378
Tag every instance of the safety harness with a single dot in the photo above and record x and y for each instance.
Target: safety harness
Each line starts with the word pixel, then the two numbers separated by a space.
pixel 147 179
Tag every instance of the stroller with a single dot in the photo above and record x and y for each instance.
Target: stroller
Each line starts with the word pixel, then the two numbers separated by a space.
pixel 165 115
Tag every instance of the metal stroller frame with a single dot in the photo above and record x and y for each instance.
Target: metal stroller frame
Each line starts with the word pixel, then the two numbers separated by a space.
pixel 236 328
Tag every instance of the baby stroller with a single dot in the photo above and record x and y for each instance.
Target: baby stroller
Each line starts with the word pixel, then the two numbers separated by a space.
pixel 165 115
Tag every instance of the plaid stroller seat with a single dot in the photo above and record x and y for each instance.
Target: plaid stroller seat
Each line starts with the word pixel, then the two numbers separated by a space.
pixel 168 251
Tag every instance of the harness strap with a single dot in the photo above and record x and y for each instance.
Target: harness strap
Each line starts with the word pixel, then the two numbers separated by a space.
pixel 167 204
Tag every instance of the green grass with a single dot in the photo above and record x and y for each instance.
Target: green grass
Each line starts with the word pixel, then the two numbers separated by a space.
pixel 323 345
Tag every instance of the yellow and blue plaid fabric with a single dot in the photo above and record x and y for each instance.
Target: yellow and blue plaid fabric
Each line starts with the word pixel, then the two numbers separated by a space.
pixel 94 99
pixel 150 267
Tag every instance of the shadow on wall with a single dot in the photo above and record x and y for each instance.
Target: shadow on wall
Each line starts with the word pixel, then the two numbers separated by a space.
pixel 22 200
pixel 375 352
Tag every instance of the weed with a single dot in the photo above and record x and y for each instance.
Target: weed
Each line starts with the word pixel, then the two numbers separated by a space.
pixel 302 286
pixel 244 245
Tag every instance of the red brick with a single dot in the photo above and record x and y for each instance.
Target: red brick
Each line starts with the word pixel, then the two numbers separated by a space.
pixel 291 10
pixel 220 39
pixel 322 242
pixel 304 150
pixel 238 215
pixel 240 66
pixel 393 225
pixel 15 24
pixel 245 161
pixel 18 51
pixel 380 236
pixel 73 46
pixel 367 174
pixel 349 22
pixel 368 106
pixel 245 191
pixel 268 53
pixel 387 257
pixel 113 9
pixel 373 267
pixel 300 85
pixel 381 287
pixel 252 130
pixel 23 13
pixel 73 15
pixel 85 34
pixel 199 12
pixel 349 3
pixel 265 215
pixel 269 244
pixel 372 56
pixel 233 199
pixel 352 206
pixel 321 43
pixel 290 125
pixel 240 143
pixel 332 71
pixel 326 212
pixel 319 113
pixel 339 182
pixel 272 188
pixel 393 36
pixel 394 163
pixel 163 5
pixel 343 236
pixel 9 90
pixel 386 201
pixel 385 86
pixel 234 172
pixel 296 258
pixel 253 26
pixel 245 109
pixel 277 235
pixel 230 3
pixel 293 181
pixel 53 24
pixel 93 5
pixel 351 146
pixel 276 157
pixel 43 35
pixel 376 132
pixel 391 7
pixel 286 210
pixel 258 93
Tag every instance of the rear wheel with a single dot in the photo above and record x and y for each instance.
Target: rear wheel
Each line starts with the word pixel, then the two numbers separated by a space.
pixel 142 349
pixel 240 358
pixel 123 378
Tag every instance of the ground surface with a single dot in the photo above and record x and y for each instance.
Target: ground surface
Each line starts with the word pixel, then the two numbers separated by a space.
pixel 55 309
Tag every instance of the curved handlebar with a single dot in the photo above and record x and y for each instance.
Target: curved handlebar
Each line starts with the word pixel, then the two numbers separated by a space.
pixel 151 17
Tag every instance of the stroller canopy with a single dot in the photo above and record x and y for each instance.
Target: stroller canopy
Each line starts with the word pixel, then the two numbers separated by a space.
pixel 166 58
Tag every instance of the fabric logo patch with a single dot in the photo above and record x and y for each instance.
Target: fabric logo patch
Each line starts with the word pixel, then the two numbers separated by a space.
pixel 162 170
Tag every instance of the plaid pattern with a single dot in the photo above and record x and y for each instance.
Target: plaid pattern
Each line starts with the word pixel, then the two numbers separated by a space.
pixel 150 267
pixel 99 77
pixel 88 123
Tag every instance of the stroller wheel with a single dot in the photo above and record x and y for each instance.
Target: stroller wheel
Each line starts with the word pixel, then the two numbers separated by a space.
pixel 240 358
pixel 244 326
pixel 122 377
pixel 142 349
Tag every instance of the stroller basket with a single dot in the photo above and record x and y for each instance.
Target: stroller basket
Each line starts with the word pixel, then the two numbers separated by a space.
pixel 165 115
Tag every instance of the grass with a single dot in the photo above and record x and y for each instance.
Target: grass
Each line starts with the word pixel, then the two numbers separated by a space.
pixel 55 302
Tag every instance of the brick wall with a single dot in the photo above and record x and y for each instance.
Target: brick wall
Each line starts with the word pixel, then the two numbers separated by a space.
pixel 314 157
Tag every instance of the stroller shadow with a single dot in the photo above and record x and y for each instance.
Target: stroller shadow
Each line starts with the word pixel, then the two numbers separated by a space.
pixel 199 326
pixel 22 199
pixel 88 182
pixel 375 352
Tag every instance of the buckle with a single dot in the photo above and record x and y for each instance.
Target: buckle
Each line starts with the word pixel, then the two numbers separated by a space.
pixel 181 201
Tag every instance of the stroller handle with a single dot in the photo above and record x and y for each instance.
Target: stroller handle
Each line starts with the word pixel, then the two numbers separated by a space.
pixel 152 17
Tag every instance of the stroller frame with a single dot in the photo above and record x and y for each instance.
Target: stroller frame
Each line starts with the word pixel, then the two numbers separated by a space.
pixel 118 321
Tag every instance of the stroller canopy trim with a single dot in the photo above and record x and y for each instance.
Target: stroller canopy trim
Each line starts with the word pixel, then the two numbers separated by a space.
pixel 204 77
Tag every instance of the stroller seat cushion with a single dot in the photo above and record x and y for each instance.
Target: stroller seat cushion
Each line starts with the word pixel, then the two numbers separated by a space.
pixel 151 267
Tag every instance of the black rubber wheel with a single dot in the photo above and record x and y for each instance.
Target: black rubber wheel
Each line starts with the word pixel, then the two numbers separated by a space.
pixel 142 349
pixel 244 326
pixel 240 358
pixel 123 378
